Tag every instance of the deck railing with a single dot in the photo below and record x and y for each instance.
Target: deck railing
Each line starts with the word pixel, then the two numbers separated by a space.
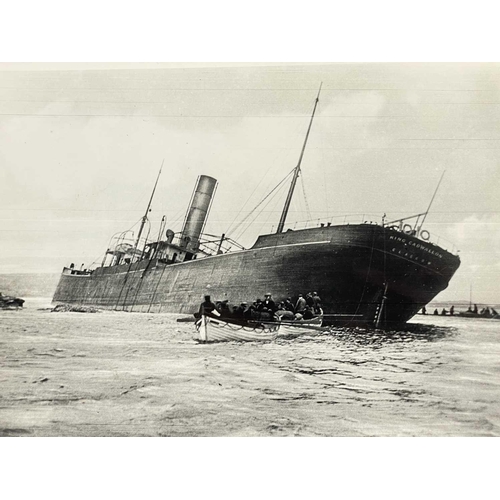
pixel 405 228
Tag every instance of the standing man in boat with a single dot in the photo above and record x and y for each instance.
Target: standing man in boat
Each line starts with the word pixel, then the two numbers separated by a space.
pixel 310 300
pixel 301 304
pixel 207 308
pixel 316 303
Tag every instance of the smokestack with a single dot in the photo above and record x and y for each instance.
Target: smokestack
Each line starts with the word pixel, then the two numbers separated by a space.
pixel 197 212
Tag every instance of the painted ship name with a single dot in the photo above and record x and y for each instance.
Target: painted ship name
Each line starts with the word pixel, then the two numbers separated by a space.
pixel 416 245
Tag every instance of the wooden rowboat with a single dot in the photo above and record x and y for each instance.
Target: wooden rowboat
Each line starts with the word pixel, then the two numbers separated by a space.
pixel 317 320
pixel 216 330
pixel 297 329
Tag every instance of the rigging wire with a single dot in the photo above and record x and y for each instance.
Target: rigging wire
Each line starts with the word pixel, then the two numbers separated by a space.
pixel 262 201
pixel 251 223
pixel 272 212
pixel 256 215
pixel 228 230
pixel 284 160
pixel 305 197
pixel 322 161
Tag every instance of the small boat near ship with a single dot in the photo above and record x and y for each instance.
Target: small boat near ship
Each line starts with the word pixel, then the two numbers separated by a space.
pixel 290 329
pixel 297 327
pixel 9 302
pixel 315 321
pixel 485 313
pixel 210 329
pixel 368 274
pixel 217 330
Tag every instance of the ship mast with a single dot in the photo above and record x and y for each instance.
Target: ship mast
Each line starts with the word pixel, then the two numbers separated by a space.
pixel 145 216
pixel 281 224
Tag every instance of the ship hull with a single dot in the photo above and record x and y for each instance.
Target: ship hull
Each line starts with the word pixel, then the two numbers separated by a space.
pixel 364 274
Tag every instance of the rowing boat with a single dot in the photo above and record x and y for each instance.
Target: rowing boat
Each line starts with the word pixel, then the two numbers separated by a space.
pixel 297 329
pixel 216 330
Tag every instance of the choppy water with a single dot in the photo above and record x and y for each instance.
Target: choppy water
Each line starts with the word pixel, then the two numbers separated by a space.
pixel 130 374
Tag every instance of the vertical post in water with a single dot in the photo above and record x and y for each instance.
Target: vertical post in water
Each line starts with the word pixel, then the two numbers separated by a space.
pixel 382 304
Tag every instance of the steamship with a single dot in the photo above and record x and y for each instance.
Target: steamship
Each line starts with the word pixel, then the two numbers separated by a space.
pixel 366 274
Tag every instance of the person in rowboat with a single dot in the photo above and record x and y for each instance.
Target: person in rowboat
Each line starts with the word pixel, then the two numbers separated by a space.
pixel 316 303
pixel 301 304
pixel 289 306
pixel 207 308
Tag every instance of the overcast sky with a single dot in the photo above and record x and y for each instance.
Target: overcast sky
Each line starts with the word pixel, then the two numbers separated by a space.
pixel 80 151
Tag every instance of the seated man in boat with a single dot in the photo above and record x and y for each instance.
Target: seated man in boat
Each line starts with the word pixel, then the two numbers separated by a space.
pixel 267 307
pixel 239 312
pixel 308 314
pixel 224 309
pixel 288 305
pixel 251 311
pixel 254 309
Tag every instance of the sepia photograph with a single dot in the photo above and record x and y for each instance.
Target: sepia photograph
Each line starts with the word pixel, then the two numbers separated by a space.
pixel 263 243
pixel 251 250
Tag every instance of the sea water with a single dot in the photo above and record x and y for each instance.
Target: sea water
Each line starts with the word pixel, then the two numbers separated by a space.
pixel 130 374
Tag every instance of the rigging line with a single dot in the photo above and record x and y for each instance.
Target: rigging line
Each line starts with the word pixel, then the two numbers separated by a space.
pixel 256 215
pixel 305 197
pixel 228 230
pixel 141 280
pixel 322 162
pixel 264 199
pixel 137 284
pixel 153 296
pixel 288 151
pixel 433 196
pixel 270 212
pixel 125 279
